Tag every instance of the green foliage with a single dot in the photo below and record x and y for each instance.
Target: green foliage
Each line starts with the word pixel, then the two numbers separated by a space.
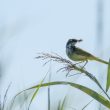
pixel 62 104
pixel 70 66
pixel 108 78
pixel 36 91
pixel 86 90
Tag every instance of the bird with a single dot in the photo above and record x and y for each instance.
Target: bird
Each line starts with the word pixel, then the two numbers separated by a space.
pixel 78 54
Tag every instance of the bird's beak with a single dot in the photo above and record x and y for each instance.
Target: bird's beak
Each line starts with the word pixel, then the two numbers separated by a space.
pixel 80 40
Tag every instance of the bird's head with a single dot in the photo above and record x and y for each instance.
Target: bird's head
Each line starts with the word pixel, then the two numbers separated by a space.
pixel 72 42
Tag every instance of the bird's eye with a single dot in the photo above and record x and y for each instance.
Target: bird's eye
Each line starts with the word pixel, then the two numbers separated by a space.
pixel 74 40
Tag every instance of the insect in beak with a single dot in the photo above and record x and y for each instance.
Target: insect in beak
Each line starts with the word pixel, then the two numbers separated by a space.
pixel 80 40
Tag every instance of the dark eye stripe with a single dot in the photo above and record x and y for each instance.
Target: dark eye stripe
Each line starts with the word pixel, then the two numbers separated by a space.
pixel 72 40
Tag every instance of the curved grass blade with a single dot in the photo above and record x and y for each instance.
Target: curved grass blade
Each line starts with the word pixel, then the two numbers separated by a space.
pixel 108 78
pixel 86 90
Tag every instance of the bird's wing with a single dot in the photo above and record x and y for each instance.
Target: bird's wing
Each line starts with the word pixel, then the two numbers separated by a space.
pixel 83 53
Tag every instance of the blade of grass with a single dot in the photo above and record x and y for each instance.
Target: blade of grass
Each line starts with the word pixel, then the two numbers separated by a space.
pixel 5 97
pixel 35 93
pixel 0 103
pixel 49 97
pixel 50 72
pixel 63 104
pixel 59 105
pixel 86 90
pixel 87 104
pixel 108 78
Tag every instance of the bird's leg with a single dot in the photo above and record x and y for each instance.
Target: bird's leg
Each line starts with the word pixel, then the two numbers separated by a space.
pixel 79 62
pixel 81 67
pixel 68 75
pixel 84 64
pixel 72 74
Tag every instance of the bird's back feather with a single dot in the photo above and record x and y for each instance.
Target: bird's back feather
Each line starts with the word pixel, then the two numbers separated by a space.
pixel 81 52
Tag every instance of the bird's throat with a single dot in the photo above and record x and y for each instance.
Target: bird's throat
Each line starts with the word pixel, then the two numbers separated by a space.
pixel 70 50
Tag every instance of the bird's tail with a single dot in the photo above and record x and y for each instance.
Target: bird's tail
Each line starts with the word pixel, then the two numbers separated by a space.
pixel 100 60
